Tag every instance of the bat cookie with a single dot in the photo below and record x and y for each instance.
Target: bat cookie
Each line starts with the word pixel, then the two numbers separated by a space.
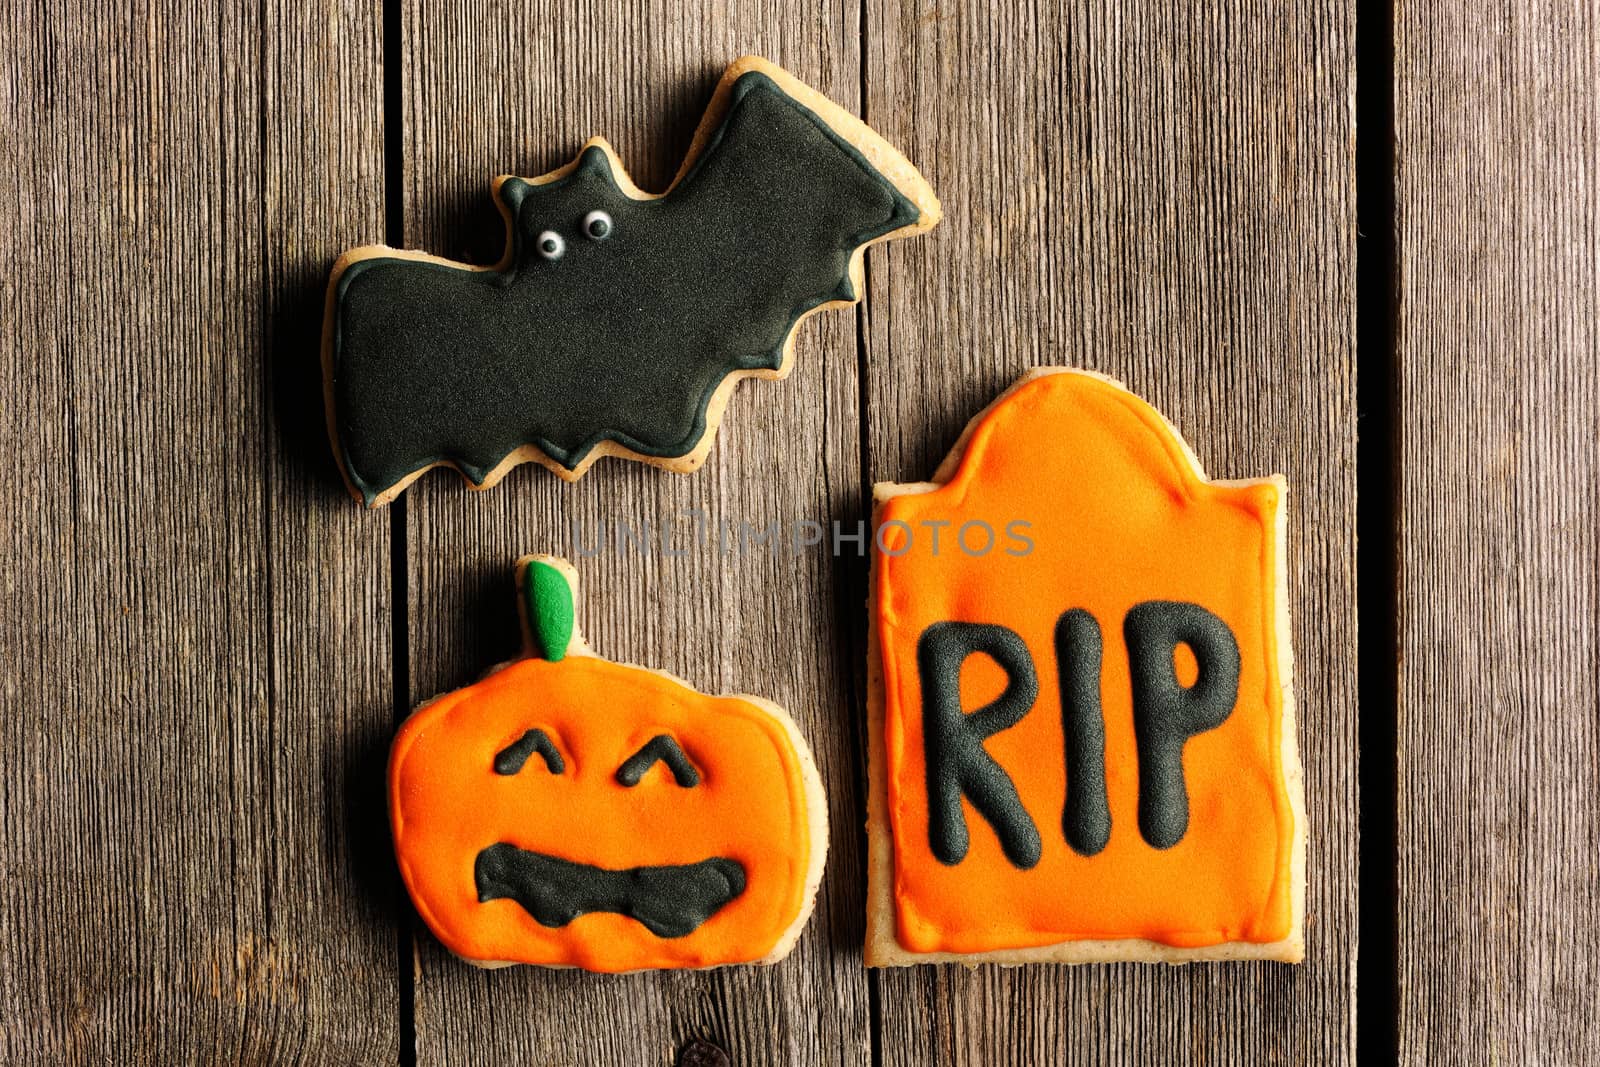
pixel 568 811
pixel 1081 715
pixel 618 321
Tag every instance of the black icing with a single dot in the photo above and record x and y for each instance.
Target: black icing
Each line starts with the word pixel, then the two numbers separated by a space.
pixel 669 901
pixel 659 749
pixel 623 339
pixel 510 759
pixel 957 764
pixel 1165 713
pixel 1086 815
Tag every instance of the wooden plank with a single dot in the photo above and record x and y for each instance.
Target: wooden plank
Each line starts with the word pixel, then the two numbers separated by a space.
pixel 1497 145
pixel 1162 193
pixel 195 642
pixel 519 91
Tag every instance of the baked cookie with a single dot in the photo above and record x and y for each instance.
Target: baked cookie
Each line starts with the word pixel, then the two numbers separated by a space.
pixel 569 811
pixel 618 321
pixel 1082 732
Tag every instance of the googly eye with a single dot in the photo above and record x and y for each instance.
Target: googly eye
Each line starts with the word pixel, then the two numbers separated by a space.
pixel 597 225
pixel 551 245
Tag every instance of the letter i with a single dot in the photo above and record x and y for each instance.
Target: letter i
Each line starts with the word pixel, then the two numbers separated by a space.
pixel 1086 816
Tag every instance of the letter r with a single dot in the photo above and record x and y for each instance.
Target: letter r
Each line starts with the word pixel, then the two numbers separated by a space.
pixel 957 764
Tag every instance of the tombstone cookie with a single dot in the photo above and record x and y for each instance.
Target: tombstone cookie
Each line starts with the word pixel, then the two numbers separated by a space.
pixel 569 811
pixel 618 321
pixel 1082 735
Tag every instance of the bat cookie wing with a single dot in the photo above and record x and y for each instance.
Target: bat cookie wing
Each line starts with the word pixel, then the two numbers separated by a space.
pixel 617 321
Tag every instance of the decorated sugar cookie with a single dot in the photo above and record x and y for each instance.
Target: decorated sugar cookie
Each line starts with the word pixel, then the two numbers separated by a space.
pixel 1082 722
pixel 570 811
pixel 618 321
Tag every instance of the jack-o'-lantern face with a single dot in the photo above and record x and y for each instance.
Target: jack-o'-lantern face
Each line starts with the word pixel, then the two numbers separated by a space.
pixel 571 811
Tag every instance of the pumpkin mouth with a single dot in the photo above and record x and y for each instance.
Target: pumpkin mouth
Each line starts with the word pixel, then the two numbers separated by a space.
pixel 668 901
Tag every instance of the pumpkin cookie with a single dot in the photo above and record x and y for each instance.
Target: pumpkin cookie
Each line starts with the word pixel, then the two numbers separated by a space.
pixel 569 811
pixel 617 321
pixel 1082 731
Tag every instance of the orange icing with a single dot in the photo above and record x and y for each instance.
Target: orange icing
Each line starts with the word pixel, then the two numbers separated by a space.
pixel 1118 515
pixel 446 803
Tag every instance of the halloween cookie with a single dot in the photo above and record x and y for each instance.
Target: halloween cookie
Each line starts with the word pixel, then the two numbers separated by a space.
pixel 569 811
pixel 618 321
pixel 1082 735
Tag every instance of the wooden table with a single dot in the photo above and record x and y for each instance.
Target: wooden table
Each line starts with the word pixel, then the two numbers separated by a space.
pixel 206 645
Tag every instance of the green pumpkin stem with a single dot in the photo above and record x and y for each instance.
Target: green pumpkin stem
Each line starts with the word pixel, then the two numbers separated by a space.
pixel 547 598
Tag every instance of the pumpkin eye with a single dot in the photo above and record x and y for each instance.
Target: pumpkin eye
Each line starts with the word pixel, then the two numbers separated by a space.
pixel 659 749
pixel 597 225
pixel 551 245
pixel 509 760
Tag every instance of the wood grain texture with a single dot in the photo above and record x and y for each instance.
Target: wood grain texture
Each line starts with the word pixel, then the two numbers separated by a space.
pixel 195 642
pixel 1163 194
pixel 489 91
pixel 1498 145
